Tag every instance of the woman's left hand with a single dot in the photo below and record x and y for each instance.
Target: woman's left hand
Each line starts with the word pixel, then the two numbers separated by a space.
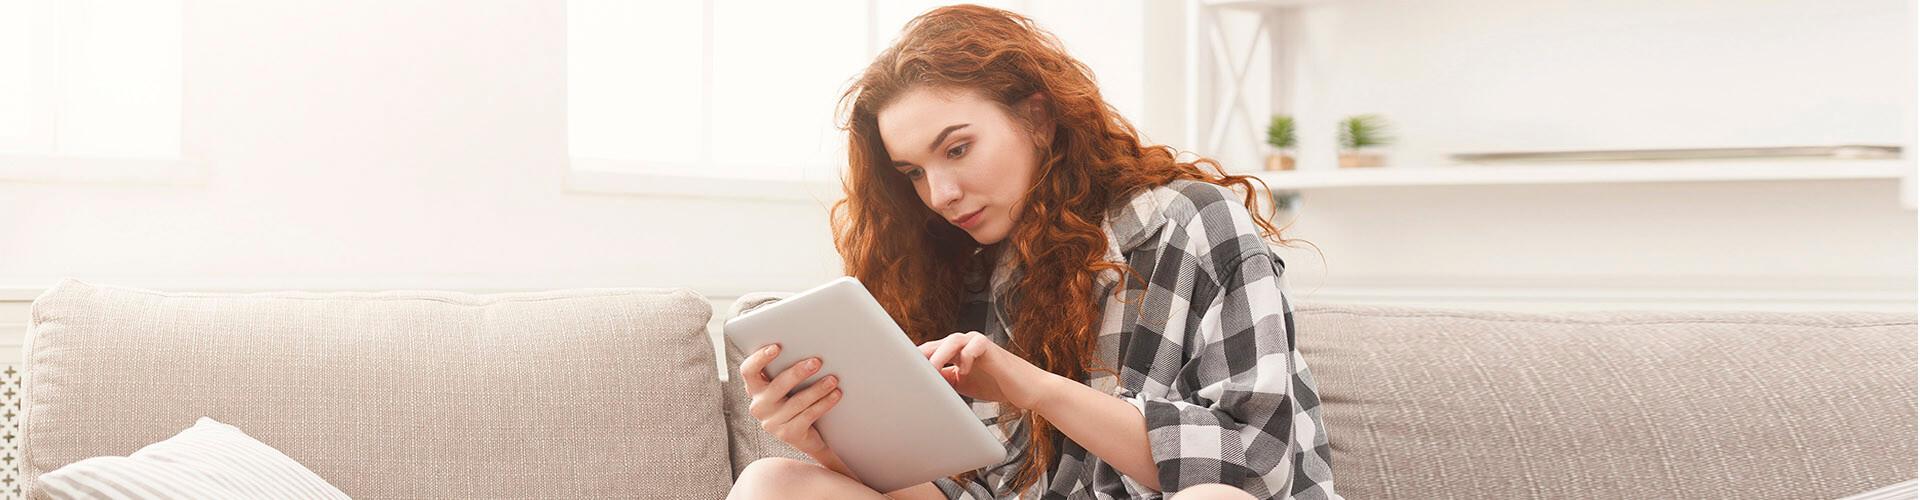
pixel 980 369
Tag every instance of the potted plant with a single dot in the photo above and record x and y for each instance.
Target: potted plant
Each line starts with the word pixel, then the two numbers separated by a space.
pixel 1280 136
pixel 1358 134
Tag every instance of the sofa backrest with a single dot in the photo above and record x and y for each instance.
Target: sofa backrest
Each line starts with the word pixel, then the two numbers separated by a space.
pixel 1432 403
pixel 586 393
pixel 1425 403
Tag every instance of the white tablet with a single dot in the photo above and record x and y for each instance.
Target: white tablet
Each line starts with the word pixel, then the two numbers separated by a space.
pixel 898 423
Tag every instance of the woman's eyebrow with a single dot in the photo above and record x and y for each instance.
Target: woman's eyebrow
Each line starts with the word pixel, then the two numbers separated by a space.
pixel 943 136
pixel 936 142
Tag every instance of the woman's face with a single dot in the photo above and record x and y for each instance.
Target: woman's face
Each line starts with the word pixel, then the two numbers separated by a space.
pixel 969 160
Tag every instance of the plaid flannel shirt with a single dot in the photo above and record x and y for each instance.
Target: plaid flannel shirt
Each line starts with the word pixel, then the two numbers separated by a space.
pixel 1208 357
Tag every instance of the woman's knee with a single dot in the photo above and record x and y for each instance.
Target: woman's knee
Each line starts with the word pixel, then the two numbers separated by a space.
pixel 775 466
pixel 775 472
pixel 1211 491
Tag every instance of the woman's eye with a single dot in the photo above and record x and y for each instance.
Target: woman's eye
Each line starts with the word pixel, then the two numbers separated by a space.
pixel 913 173
pixel 958 150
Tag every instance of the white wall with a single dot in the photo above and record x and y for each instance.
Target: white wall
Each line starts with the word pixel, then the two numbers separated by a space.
pixel 1517 75
pixel 1822 245
pixel 367 144
pixel 370 144
pixel 1522 75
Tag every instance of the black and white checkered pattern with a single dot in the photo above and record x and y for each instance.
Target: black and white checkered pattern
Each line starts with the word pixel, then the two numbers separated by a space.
pixel 1207 357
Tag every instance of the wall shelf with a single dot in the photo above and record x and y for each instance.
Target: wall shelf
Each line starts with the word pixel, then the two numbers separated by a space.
pixel 1588 173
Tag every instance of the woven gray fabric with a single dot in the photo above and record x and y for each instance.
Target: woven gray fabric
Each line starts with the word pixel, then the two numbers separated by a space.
pixel 1434 404
pixel 748 442
pixel 588 393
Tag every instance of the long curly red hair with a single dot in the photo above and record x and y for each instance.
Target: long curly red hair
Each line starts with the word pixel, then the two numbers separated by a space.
pixel 916 263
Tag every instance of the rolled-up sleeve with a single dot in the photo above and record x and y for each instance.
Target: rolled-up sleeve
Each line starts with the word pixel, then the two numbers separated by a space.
pixel 1229 415
pixel 972 490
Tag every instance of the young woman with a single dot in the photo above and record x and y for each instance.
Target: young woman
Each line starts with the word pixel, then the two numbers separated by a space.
pixel 1124 329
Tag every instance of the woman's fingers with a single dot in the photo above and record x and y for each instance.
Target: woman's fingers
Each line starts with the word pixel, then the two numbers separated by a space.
pixel 784 383
pixel 789 418
pixel 977 344
pixel 753 369
pixel 949 347
pixel 773 394
pixel 803 400
pixel 812 414
pixel 793 422
pixel 960 349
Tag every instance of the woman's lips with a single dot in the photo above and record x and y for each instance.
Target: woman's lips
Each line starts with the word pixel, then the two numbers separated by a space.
pixel 970 220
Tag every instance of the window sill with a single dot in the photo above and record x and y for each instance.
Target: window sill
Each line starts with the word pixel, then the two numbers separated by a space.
pixel 594 176
pixel 101 170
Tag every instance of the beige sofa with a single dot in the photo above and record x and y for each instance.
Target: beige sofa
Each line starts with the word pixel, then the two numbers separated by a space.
pixel 612 393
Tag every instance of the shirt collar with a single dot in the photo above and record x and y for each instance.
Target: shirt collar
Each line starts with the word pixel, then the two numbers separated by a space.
pixel 1128 225
pixel 1131 223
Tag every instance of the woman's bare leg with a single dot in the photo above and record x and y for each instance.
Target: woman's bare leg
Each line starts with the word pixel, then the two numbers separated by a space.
pixel 788 478
pixel 1212 491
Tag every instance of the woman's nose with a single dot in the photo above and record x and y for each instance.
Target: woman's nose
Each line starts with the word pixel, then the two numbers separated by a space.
pixel 944 189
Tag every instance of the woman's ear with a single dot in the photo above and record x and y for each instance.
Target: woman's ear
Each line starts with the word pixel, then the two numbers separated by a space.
pixel 1034 108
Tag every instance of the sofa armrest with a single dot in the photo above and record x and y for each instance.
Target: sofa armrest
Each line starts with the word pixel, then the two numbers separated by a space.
pixel 747 441
pixel 747 303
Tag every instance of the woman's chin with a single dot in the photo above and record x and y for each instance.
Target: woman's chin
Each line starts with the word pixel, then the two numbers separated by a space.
pixel 985 237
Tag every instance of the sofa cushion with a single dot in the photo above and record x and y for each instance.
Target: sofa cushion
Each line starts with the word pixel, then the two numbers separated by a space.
pixel 208 461
pixel 586 393
pixel 1429 403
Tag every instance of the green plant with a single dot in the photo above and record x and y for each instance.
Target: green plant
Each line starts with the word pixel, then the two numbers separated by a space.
pixel 1361 131
pixel 1280 132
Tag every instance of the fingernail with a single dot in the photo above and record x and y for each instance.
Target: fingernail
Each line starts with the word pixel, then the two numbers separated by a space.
pixel 813 363
pixel 833 379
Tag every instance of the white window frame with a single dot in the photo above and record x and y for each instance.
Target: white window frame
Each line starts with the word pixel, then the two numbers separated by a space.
pixel 602 176
pixel 41 161
pixel 639 177
pixel 631 177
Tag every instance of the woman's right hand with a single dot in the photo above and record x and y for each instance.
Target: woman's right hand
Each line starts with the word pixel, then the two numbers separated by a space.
pixel 790 418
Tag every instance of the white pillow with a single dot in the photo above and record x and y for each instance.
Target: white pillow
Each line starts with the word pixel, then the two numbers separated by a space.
pixel 210 460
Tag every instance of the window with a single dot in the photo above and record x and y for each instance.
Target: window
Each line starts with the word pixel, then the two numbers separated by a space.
pixel 88 84
pixel 738 97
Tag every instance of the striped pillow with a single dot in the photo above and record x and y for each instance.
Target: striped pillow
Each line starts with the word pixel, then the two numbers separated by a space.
pixel 210 460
